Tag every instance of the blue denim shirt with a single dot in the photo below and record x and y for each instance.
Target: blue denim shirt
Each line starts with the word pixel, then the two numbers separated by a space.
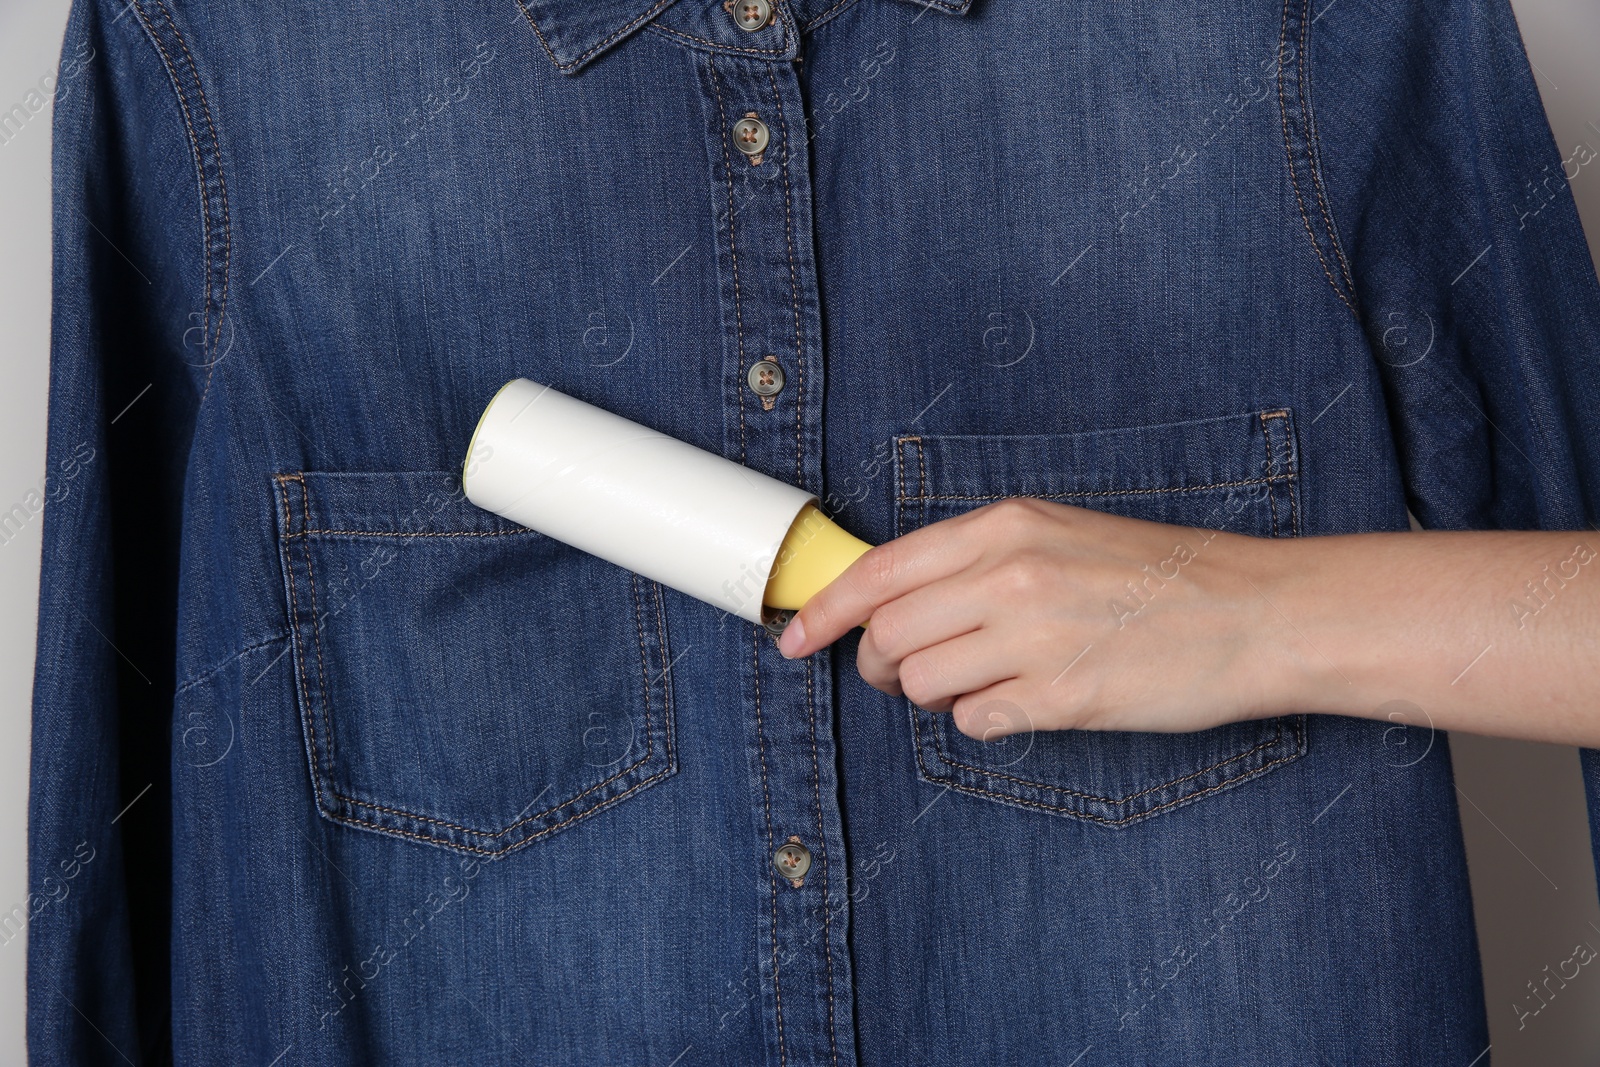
pixel 331 767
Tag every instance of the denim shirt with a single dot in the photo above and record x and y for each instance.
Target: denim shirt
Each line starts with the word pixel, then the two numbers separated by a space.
pixel 332 767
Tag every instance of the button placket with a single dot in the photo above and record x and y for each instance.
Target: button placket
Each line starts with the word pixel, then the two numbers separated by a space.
pixel 773 361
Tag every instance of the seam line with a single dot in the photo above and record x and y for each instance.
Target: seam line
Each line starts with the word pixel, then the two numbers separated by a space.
pixel 1289 156
pixel 222 665
pixel 615 35
pixel 725 49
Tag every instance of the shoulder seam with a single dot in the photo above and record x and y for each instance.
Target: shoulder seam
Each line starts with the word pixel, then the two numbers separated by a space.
pixel 1304 128
pixel 215 225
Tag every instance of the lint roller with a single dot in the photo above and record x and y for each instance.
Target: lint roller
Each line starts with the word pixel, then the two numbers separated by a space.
pixel 677 514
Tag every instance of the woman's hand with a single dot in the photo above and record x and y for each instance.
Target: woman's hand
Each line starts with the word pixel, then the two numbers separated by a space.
pixel 1026 614
pixel 1030 615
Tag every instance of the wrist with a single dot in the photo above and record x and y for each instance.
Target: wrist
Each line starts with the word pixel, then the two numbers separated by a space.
pixel 1294 664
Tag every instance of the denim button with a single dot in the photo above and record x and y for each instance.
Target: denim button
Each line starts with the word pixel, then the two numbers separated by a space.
pixel 765 378
pixel 792 859
pixel 750 135
pixel 751 15
pixel 777 621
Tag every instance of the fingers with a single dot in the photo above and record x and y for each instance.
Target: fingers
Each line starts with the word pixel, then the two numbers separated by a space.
pixel 922 618
pixel 882 574
pixel 995 712
pixel 933 678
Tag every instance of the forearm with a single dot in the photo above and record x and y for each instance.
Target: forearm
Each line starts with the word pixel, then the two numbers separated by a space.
pixel 1487 632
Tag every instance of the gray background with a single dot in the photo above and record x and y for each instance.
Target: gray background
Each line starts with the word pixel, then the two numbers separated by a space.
pixel 1522 808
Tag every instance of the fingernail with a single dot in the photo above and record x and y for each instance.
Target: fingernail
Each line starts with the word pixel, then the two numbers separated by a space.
pixel 794 635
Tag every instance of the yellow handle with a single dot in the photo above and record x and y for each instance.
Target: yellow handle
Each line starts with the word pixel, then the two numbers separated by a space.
pixel 814 552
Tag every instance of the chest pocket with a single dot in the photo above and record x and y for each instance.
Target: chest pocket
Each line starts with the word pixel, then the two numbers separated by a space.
pixel 1238 473
pixel 461 680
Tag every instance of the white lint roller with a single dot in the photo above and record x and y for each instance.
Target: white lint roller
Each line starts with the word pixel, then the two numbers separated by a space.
pixel 677 514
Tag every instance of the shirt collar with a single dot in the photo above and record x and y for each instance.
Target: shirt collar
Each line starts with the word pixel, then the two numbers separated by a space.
pixel 575 31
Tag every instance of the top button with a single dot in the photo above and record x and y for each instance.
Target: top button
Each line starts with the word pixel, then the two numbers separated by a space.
pixel 751 15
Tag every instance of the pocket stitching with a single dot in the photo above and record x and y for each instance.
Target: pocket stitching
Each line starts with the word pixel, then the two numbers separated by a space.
pixel 350 820
pixel 1290 472
pixel 1289 465
pixel 294 634
pixel 316 633
pixel 1272 499
pixel 901 444
pixel 922 470
pixel 1276 738
pixel 666 686
pixel 1009 798
pixel 923 494
pixel 324 768
pixel 1273 479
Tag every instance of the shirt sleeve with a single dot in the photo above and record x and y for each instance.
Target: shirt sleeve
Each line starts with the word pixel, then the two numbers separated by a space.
pixel 1471 277
pixel 128 363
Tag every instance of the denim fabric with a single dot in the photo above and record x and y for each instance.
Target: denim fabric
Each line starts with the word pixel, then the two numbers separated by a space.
pixel 331 767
